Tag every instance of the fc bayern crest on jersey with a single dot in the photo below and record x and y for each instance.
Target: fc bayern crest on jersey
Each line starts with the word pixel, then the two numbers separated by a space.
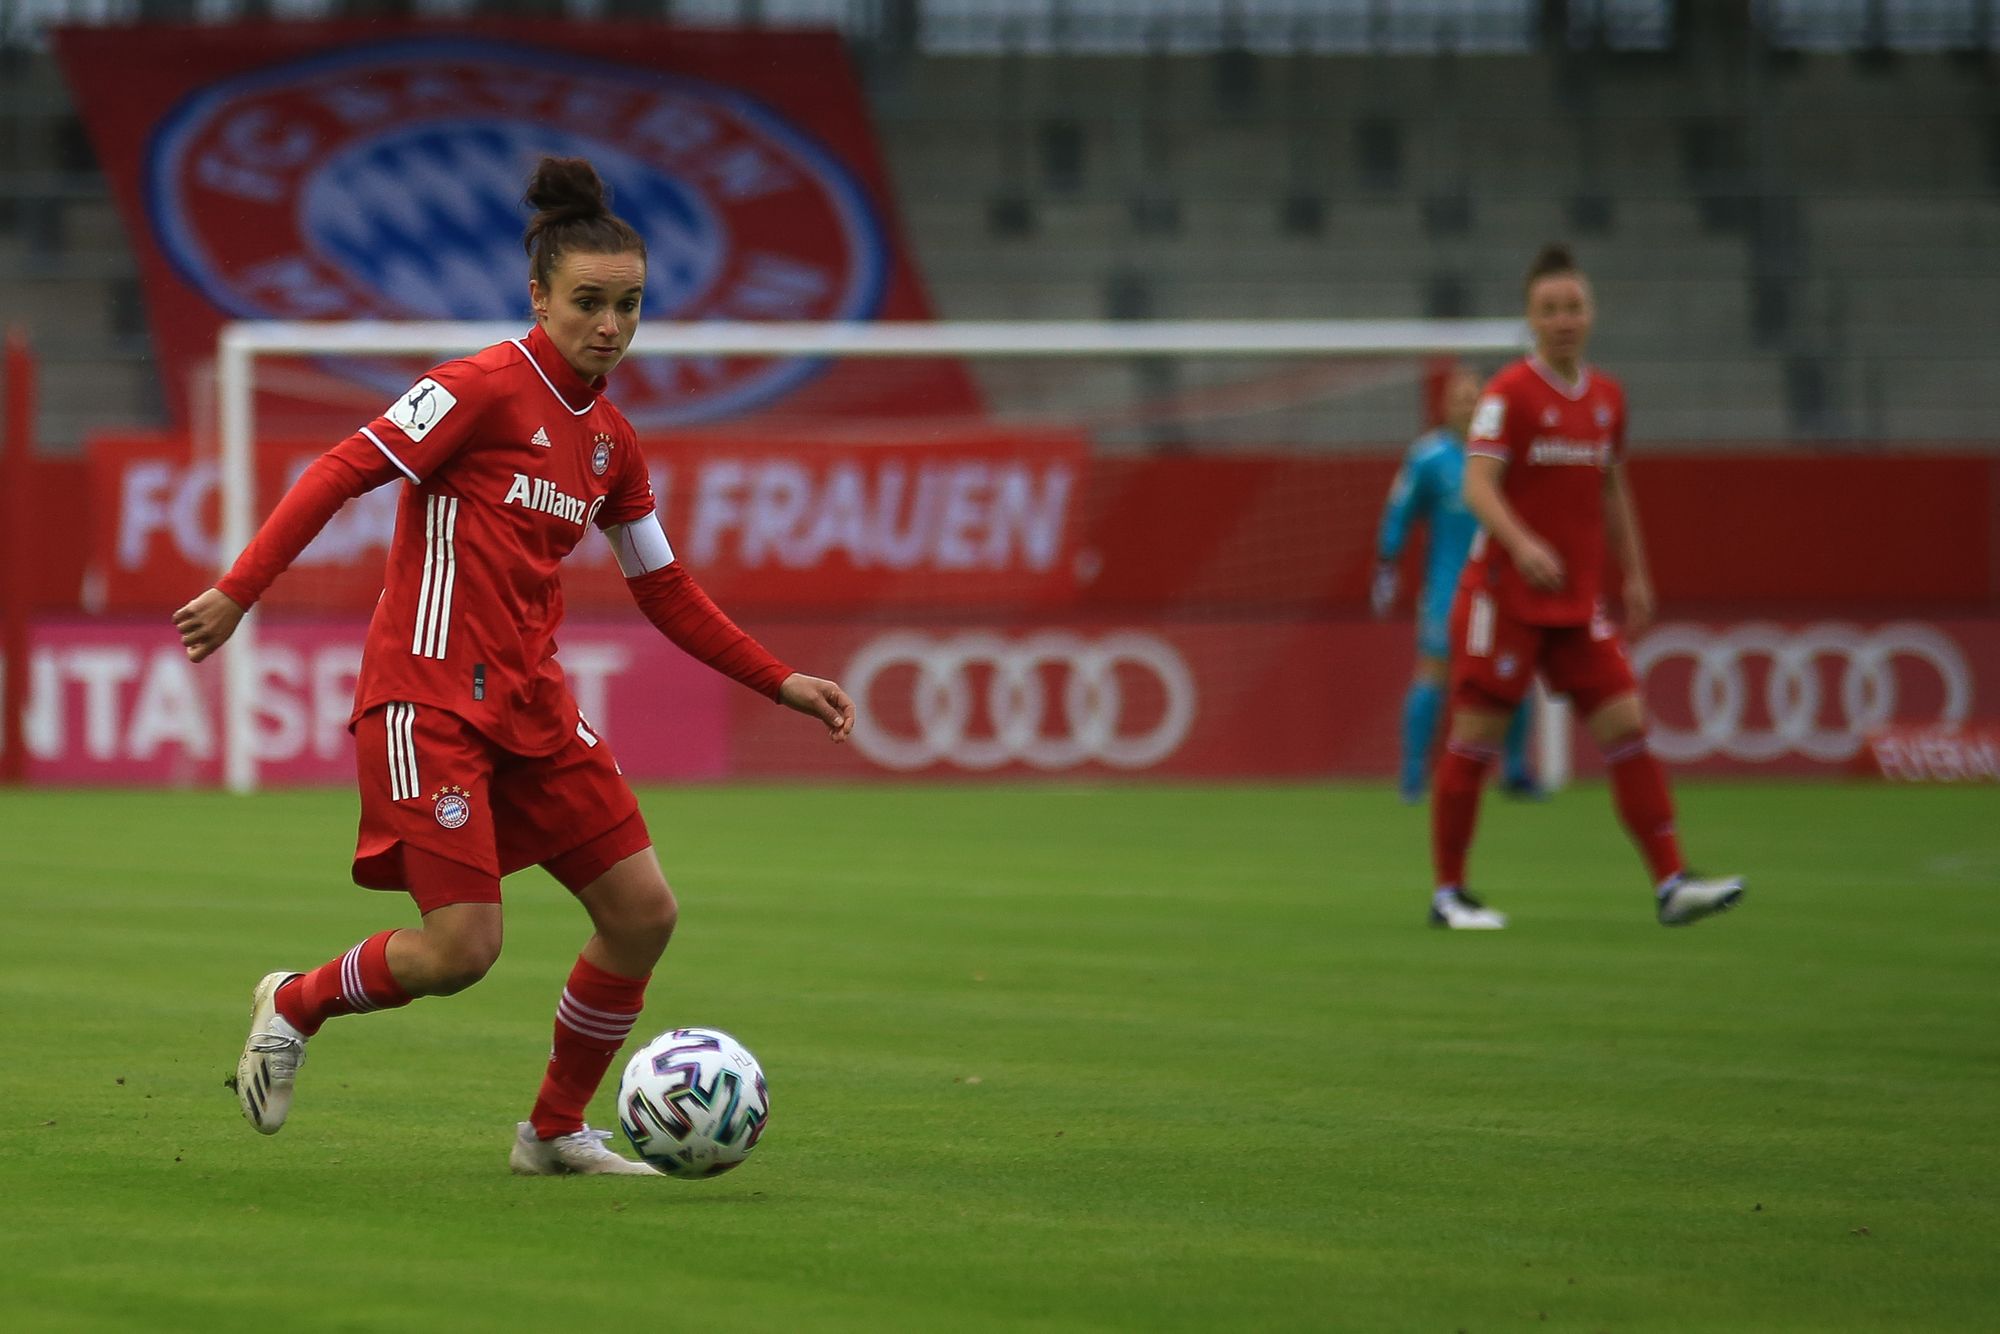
pixel 600 454
pixel 384 182
pixel 454 807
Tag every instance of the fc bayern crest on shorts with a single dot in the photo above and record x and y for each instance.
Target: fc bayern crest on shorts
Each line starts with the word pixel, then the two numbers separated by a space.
pixel 454 807
pixel 384 182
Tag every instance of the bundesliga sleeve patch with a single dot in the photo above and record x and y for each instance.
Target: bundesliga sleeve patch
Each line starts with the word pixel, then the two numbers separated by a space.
pixel 421 409
pixel 1489 417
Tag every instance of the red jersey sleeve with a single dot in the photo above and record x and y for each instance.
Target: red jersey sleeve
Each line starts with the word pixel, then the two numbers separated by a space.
pixel 1496 423
pixel 675 603
pixel 432 420
pixel 349 469
pixel 631 494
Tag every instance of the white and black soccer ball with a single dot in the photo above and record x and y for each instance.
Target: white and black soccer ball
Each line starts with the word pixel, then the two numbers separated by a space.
pixel 694 1102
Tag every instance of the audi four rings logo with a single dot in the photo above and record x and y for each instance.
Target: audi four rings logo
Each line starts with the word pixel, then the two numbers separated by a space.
pixel 1719 689
pixel 1023 680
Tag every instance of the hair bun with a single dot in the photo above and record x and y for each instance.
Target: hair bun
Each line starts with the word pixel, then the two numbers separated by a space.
pixel 1555 257
pixel 572 213
pixel 566 189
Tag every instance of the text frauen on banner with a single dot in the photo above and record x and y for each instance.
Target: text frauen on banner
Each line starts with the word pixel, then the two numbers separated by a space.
pixel 979 519
pixel 989 518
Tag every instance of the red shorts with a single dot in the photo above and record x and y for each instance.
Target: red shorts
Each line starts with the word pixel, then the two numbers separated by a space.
pixel 1494 658
pixel 431 780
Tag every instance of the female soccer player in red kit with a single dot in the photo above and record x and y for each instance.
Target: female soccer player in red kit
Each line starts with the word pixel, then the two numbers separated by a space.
pixel 474 761
pixel 1545 474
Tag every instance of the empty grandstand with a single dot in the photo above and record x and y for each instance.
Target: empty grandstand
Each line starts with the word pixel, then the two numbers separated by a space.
pixel 1791 208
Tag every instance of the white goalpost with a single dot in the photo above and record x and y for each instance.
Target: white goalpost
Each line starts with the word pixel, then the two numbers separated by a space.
pixel 244 343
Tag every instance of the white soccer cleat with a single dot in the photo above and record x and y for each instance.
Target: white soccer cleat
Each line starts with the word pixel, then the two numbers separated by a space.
pixel 583 1153
pixel 271 1059
pixel 1687 899
pixel 1459 911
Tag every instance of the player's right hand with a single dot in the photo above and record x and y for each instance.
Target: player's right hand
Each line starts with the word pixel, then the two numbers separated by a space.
pixel 1538 563
pixel 1382 590
pixel 206 623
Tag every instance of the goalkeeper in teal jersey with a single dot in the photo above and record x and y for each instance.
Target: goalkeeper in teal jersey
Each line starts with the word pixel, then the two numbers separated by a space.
pixel 1427 491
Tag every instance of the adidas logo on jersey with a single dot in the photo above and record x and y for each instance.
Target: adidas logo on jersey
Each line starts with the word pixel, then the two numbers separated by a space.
pixel 541 437
pixel 538 493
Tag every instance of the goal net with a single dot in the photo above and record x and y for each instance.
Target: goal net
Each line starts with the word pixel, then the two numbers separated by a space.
pixel 996 502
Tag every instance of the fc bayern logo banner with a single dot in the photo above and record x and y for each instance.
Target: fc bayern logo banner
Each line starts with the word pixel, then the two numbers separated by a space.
pixel 269 174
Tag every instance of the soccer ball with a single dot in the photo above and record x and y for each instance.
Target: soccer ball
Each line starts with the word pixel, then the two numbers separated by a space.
pixel 693 1102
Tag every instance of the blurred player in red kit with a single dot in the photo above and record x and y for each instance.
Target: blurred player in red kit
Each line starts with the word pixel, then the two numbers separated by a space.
pixel 1545 475
pixel 474 761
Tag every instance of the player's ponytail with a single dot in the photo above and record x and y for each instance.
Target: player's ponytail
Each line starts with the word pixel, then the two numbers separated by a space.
pixel 1554 258
pixel 572 213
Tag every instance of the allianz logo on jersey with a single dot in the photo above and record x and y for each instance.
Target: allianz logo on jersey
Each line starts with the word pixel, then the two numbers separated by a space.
pixel 544 496
pixel 1554 449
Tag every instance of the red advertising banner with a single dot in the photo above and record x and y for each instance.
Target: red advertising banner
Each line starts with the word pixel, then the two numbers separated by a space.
pixel 967 520
pixel 997 520
pixel 1101 699
pixel 1933 755
pixel 374 170
pixel 1884 530
pixel 1320 698
pixel 117 702
pixel 958 520
pixel 1796 698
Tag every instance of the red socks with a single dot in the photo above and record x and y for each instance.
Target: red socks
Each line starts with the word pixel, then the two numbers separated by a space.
pixel 593 1019
pixel 595 1014
pixel 1639 789
pixel 353 983
pixel 1461 773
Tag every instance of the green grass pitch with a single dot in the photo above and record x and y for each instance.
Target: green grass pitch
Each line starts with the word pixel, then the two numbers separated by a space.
pixel 1052 1059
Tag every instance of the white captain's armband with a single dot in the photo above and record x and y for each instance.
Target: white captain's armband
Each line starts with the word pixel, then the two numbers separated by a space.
pixel 421 408
pixel 1489 417
pixel 641 546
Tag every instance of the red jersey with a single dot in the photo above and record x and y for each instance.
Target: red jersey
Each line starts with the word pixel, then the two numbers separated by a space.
pixel 1559 442
pixel 511 458
pixel 510 455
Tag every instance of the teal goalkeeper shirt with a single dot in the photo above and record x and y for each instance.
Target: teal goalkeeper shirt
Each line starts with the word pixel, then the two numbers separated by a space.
pixel 1430 489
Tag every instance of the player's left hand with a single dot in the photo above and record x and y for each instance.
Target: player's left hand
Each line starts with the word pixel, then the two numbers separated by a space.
pixel 824 700
pixel 1639 603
